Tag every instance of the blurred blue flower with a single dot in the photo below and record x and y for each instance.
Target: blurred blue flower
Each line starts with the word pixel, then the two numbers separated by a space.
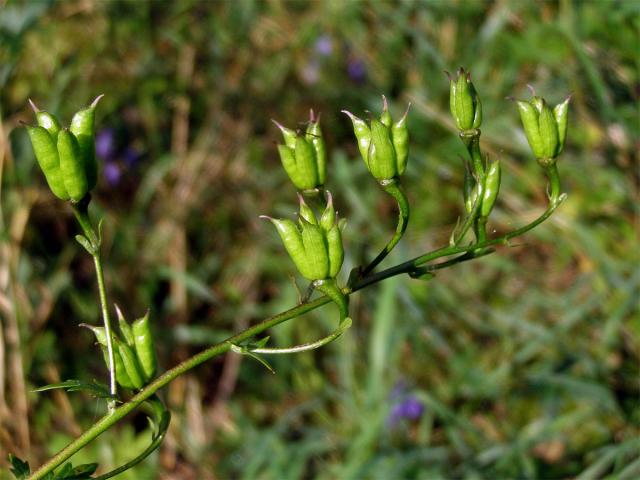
pixel 131 156
pixel 324 45
pixel 357 70
pixel 112 173
pixel 106 143
pixel 408 408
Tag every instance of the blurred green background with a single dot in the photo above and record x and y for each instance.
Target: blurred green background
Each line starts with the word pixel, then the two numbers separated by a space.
pixel 523 364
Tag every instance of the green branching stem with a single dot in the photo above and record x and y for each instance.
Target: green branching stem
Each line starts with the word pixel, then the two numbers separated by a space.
pixel 463 253
pixel 161 418
pixel 81 211
pixel 393 188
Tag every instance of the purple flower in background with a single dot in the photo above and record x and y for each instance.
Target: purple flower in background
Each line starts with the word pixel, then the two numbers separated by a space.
pixel 324 45
pixel 408 408
pixel 106 143
pixel 131 157
pixel 357 70
pixel 112 173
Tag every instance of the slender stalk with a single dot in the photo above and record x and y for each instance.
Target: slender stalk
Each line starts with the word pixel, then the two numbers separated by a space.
pixel 471 218
pixel 393 188
pixel 554 182
pixel 122 411
pixel 113 388
pixel 480 228
pixel 81 211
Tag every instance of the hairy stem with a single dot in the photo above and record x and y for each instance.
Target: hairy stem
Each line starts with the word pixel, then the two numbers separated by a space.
pixel 122 411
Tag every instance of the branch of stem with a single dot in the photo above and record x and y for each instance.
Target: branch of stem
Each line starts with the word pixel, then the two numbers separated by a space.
pixel 81 211
pixel 393 188
pixel 122 411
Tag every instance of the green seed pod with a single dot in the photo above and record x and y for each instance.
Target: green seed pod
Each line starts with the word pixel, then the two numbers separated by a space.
pixel 288 160
pixel 83 128
pixel 306 163
pixel 548 132
pixel 130 362
pixel 303 156
pixel 383 145
pixel 305 211
pixel 292 239
pixel 529 116
pixel 145 347
pixel 71 164
pixel 382 155
pixel 546 129
pixel 315 248
pixel 99 332
pixel 314 135
pixel 363 135
pixel 47 121
pixel 335 250
pixel 491 188
pixel 469 191
pixel 125 328
pixel 561 113
pixel 121 374
pixel 288 135
pixel 46 153
pixel 328 219
pixel 385 116
pixel 464 102
pixel 400 139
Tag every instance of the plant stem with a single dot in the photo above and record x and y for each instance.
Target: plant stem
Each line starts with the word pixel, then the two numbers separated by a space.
pixel 393 188
pixel 119 413
pixel 554 182
pixel 81 211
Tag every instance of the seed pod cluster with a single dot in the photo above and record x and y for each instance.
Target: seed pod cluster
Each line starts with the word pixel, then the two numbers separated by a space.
pixel 303 156
pixel 66 155
pixel 383 144
pixel 545 128
pixel 315 246
pixel 134 353
pixel 464 101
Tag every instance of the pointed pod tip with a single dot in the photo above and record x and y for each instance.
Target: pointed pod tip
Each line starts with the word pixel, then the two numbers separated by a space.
pixel 301 200
pixel 312 116
pixel 33 106
pixel 94 104
pixel 278 124
pixel 266 217
pixel 118 311
pixel 406 112
pixel 329 198
pixel 446 72
pixel 531 89
pixel 385 104
pixel 349 114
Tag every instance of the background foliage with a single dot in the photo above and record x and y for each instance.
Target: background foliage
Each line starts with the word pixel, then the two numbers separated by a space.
pixel 521 365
